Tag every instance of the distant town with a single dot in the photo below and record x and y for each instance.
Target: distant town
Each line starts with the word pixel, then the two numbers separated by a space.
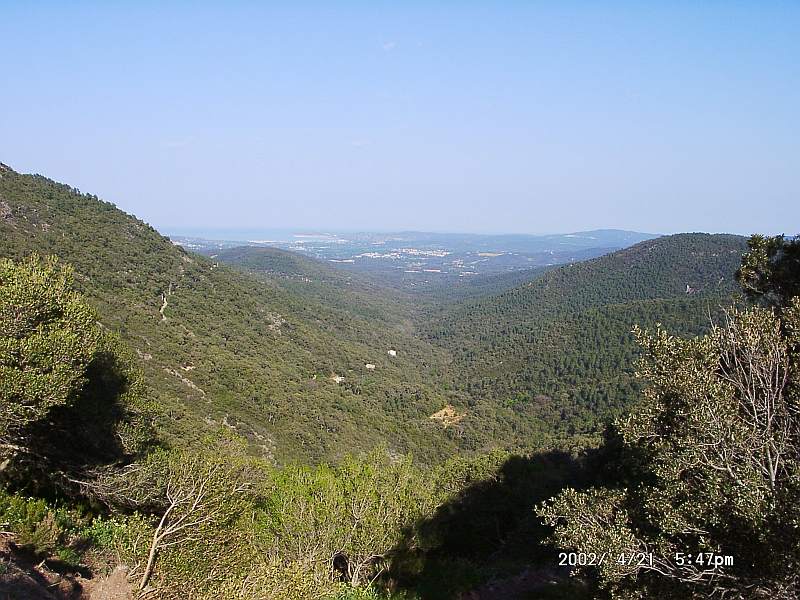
pixel 415 257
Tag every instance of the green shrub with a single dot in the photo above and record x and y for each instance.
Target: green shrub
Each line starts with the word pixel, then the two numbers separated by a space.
pixel 38 525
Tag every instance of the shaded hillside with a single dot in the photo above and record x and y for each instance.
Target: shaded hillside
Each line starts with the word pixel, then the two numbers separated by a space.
pixel 221 347
pixel 559 350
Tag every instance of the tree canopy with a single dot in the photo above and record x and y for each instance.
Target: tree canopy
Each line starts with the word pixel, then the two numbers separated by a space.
pixel 710 506
pixel 69 399
pixel 770 271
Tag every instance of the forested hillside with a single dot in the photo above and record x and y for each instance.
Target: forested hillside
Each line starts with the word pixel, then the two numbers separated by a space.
pixel 277 348
pixel 356 295
pixel 560 347
pixel 221 348
pixel 237 427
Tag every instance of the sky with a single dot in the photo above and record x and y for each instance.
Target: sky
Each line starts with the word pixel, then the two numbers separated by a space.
pixel 517 117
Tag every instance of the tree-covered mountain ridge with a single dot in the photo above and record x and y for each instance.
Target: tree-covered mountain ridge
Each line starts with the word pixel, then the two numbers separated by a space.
pixel 653 269
pixel 560 347
pixel 276 346
pixel 539 352
pixel 222 348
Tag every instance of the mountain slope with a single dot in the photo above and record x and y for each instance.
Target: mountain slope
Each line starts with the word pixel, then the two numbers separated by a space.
pixel 312 278
pixel 223 348
pixel 276 345
pixel 559 350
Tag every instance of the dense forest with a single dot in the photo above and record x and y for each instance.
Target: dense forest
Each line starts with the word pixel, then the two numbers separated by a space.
pixel 235 426
pixel 560 347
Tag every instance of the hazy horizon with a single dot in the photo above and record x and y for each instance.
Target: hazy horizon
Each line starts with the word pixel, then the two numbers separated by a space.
pixel 499 119
pixel 242 232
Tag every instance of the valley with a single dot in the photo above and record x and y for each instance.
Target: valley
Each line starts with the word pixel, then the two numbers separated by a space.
pixel 463 406
pixel 400 301
pixel 425 262
pixel 274 343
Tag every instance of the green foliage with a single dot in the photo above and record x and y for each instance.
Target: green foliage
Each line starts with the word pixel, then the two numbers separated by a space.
pixel 48 337
pixel 70 400
pixel 32 521
pixel 302 532
pixel 249 530
pixel 717 440
pixel 200 497
pixel 770 270
pixel 557 354
pixel 347 518
pixel 369 593
pixel 43 527
pixel 105 532
pixel 225 349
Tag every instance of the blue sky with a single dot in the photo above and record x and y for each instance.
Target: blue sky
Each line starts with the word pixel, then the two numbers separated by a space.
pixel 449 116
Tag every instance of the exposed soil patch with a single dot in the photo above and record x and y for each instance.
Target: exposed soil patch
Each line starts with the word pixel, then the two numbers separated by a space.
pixel 24 577
pixel 6 213
pixel 447 416
pixel 113 587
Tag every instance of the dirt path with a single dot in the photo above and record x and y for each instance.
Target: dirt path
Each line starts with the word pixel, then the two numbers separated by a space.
pixel 25 577
pixel 164 303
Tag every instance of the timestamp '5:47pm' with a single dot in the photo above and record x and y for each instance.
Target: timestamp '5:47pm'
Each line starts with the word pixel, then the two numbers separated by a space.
pixel 703 559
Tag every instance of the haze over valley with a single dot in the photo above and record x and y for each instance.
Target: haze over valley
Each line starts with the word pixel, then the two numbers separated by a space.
pixel 425 260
